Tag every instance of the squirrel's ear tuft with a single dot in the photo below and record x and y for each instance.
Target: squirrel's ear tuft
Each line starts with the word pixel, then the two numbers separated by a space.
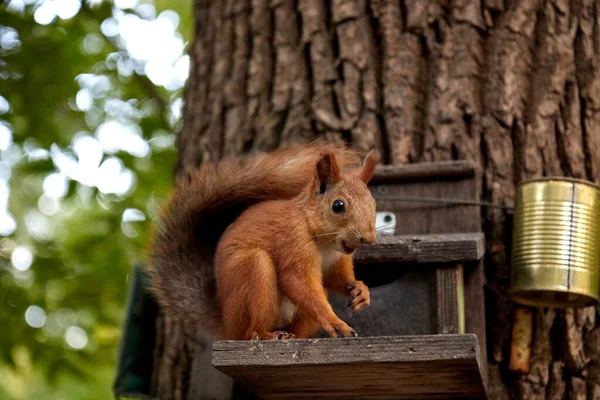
pixel 327 173
pixel 368 167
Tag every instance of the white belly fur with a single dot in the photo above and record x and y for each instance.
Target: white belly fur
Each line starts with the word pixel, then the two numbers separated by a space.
pixel 287 309
pixel 287 312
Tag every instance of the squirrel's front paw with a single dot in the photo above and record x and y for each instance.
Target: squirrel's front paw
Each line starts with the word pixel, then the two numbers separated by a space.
pixel 359 295
pixel 338 329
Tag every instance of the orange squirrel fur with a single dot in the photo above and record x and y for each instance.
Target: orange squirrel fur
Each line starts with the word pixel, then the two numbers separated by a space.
pixel 249 247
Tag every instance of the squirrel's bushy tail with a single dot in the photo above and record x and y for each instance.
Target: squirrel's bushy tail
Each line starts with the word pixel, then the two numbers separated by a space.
pixel 202 206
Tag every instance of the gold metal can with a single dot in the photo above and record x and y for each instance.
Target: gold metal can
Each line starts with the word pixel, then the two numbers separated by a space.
pixel 556 243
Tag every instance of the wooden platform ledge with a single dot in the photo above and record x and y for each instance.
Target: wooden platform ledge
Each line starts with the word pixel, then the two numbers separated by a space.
pixel 394 367
pixel 455 247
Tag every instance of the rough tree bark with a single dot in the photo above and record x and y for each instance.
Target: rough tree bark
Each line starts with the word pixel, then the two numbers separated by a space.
pixel 511 84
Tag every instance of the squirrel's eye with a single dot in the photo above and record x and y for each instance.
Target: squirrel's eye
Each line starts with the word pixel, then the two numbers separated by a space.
pixel 338 207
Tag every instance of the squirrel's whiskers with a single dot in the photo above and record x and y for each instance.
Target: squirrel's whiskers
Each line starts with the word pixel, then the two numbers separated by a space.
pixel 385 226
pixel 327 234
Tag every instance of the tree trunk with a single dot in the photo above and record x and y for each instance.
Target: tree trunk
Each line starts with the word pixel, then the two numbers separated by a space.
pixel 511 84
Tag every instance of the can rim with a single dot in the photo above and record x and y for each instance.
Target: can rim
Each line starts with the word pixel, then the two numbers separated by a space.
pixel 521 296
pixel 560 179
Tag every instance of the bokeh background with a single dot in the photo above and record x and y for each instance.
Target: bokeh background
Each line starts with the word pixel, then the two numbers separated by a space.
pixel 90 102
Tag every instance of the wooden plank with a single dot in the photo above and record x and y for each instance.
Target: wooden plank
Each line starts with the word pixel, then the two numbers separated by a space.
pixel 450 310
pixel 440 169
pixel 458 247
pixel 474 281
pixel 396 367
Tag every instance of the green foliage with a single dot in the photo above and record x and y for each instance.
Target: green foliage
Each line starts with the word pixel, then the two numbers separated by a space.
pixel 69 87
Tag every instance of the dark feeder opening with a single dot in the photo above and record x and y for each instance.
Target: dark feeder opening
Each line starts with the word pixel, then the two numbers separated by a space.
pixel 402 301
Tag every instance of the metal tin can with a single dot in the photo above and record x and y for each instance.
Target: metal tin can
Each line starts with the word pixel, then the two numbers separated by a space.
pixel 556 243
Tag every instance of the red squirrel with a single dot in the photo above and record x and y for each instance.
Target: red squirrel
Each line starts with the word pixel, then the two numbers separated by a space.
pixel 248 248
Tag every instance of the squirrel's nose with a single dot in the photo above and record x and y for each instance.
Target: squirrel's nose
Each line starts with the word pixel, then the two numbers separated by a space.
pixel 368 238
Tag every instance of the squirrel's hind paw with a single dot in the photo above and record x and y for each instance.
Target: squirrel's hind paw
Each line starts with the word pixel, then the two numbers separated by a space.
pixel 277 335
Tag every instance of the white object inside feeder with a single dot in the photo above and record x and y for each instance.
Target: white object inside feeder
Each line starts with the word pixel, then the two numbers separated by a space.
pixel 385 223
